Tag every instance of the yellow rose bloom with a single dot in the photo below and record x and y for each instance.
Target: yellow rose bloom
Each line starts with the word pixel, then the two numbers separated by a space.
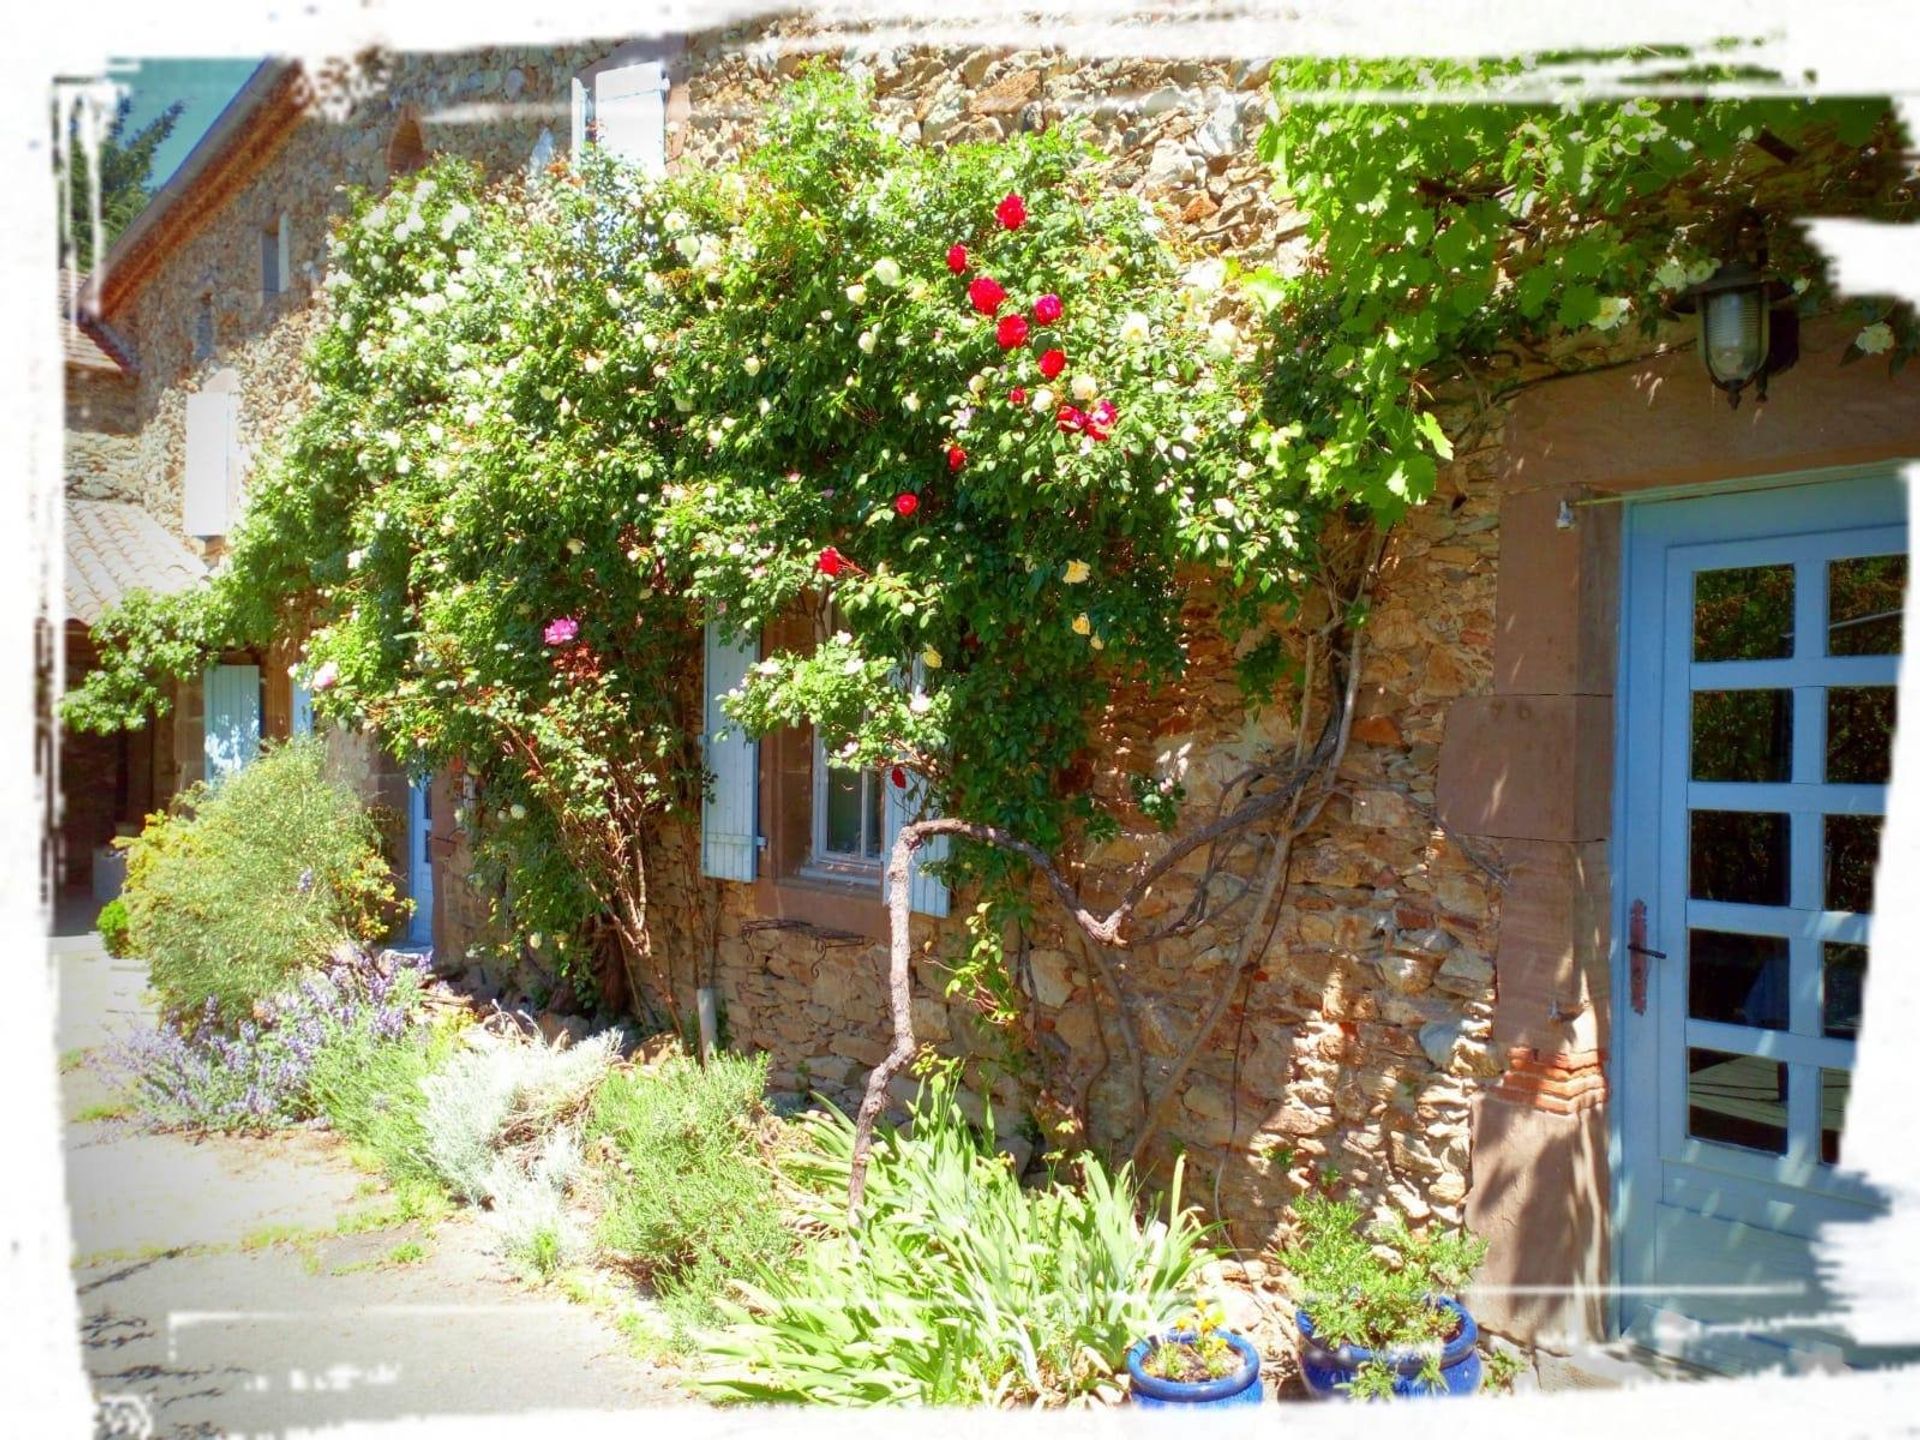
pixel 1077 571
pixel 930 658
pixel 1082 625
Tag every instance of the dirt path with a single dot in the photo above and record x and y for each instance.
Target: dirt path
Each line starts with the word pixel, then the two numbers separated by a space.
pixel 216 1285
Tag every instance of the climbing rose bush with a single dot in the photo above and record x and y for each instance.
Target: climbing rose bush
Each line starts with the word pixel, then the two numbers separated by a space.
pixel 968 399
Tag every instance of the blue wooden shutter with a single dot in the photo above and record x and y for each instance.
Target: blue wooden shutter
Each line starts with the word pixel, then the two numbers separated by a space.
pixel 301 709
pixel 232 719
pixel 730 818
pixel 926 894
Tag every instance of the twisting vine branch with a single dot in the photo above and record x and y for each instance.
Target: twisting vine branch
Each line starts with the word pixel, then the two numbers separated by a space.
pixel 1299 796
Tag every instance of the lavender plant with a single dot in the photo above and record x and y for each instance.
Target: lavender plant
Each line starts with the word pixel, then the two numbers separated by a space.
pixel 209 1074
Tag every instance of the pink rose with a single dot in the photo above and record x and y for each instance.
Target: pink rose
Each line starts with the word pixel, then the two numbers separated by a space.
pixel 561 631
pixel 1047 309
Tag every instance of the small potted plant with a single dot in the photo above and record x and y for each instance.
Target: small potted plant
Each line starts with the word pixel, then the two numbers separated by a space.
pixel 1376 1325
pixel 1196 1362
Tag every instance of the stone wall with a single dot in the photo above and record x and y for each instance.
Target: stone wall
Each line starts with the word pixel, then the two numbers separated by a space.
pixel 102 436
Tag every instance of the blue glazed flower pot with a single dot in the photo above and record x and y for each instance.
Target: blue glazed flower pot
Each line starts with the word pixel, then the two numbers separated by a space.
pixel 1242 1387
pixel 1327 1372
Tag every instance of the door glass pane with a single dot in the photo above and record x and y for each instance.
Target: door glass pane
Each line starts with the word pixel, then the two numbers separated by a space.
pixel 1835 1087
pixel 1737 979
pixel 1738 856
pixel 1860 734
pixel 1863 604
pixel 1852 848
pixel 1743 735
pixel 1737 1100
pixel 843 811
pixel 1744 614
pixel 1843 976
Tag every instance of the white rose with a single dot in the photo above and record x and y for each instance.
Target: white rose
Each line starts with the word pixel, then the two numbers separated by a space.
pixel 857 293
pixel 909 403
pixel 1672 275
pixel 866 342
pixel 1207 276
pixel 517 810
pixel 751 364
pixel 1135 328
pixel 1876 339
pixel 887 271
pixel 1085 387
pixel 1042 401
pixel 689 248
pixel 1222 336
pixel 1612 310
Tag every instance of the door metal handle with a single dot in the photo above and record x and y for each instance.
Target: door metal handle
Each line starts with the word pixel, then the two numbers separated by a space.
pixel 1637 949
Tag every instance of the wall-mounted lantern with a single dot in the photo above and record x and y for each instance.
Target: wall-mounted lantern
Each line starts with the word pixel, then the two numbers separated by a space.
pixel 1742 341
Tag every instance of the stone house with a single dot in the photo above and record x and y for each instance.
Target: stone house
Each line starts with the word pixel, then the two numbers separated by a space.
pixel 1515 983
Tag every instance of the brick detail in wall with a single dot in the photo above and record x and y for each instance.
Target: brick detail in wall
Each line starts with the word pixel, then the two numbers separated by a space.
pixel 1559 1084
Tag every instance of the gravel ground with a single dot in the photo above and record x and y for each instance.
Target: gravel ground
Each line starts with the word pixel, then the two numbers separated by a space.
pixel 207 1289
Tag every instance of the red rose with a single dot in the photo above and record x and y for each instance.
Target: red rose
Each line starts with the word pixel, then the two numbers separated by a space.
pixel 1012 331
pixel 1100 421
pixel 899 778
pixel 957 259
pixel 1011 212
pixel 1017 395
pixel 985 294
pixel 1069 420
pixel 1047 309
pixel 1052 363
pixel 831 562
pixel 906 502
pixel 956 457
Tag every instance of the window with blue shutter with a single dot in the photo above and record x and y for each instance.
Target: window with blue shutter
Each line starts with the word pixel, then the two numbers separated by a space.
pixel 730 817
pixel 301 709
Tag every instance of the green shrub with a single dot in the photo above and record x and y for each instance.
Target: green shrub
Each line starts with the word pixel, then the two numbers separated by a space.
pixel 958 1286
pixel 370 1090
pixel 1356 1296
pixel 113 929
pixel 245 884
pixel 691 1203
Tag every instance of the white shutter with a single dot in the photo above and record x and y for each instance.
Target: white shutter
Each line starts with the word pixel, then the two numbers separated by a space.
pixel 232 709
pixel 580 115
pixel 212 476
pixel 730 818
pixel 630 113
pixel 301 709
pixel 925 893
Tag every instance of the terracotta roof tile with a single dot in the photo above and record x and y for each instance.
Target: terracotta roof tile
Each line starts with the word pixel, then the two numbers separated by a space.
pixel 113 548
pixel 94 347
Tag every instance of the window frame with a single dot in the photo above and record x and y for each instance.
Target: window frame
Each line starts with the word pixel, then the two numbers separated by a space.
pixel 822 860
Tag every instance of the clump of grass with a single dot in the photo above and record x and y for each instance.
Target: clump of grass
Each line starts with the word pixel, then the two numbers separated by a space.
pixel 690 1204
pixel 112 1110
pixel 408 1252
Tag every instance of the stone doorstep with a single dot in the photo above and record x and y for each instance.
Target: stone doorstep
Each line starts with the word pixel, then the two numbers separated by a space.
pixel 1618 1365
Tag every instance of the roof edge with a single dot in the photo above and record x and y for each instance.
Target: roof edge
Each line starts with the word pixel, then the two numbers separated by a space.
pixel 269 91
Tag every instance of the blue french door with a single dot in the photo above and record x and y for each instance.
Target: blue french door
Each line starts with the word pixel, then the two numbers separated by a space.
pixel 1760 654
pixel 420 860
pixel 231 711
